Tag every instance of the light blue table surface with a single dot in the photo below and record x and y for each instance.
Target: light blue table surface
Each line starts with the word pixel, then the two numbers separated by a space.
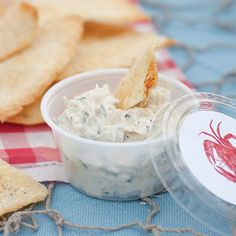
pixel 78 208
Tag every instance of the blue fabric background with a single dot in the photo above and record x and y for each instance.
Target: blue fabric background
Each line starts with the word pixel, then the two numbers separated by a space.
pixel 78 208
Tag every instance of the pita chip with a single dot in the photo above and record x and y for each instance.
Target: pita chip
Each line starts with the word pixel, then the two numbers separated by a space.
pixel 26 76
pixel 30 115
pixel 106 50
pixel 134 88
pixel 114 12
pixel 18 190
pixel 18 27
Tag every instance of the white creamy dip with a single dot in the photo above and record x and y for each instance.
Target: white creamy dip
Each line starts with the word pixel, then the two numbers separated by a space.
pixel 93 115
pixel 121 168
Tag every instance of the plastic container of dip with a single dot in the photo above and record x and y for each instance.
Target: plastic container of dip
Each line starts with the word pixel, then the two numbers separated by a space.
pixel 112 171
pixel 198 162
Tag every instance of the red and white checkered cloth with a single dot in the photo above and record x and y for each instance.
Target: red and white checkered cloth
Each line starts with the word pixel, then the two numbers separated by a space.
pixel 33 149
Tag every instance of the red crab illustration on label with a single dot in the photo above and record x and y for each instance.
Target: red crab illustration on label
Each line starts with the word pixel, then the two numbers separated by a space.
pixel 221 152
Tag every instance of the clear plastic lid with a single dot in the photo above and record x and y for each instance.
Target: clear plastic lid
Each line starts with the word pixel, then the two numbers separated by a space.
pixel 197 163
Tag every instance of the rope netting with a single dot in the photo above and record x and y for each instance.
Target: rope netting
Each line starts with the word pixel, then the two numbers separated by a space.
pixel 25 218
pixel 165 14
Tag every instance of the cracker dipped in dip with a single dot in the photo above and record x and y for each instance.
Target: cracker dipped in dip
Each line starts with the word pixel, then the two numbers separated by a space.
pixel 125 116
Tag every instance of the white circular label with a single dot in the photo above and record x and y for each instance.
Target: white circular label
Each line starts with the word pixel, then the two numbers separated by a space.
pixel 207 142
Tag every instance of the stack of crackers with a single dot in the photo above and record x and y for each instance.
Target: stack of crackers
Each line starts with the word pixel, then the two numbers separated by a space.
pixel 45 41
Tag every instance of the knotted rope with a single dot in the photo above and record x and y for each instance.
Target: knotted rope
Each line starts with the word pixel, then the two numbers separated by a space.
pixel 167 15
pixel 14 222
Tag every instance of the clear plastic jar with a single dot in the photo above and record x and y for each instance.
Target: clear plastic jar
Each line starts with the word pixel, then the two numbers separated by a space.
pixel 198 162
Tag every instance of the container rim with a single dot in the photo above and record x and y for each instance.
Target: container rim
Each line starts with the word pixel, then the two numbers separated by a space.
pixel 58 86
